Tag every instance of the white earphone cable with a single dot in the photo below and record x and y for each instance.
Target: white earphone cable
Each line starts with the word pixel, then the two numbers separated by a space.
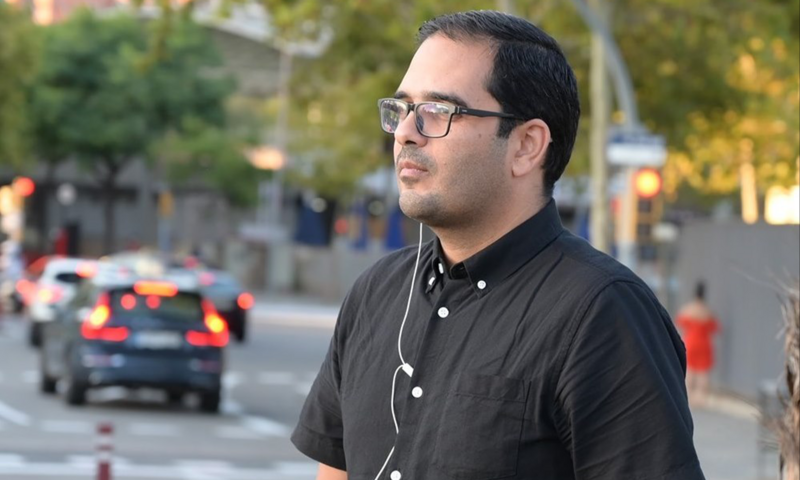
pixel 408 369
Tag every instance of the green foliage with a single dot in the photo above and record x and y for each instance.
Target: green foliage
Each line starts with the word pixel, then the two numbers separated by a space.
pixel 102 98
pixel 719 78
pixel 19 48
pixel 210 154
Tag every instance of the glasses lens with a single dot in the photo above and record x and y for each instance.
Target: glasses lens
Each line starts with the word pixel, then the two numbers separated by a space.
pixel 432 119
pixel 392 112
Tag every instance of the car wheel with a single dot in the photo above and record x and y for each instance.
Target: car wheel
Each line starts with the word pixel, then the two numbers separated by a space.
pixel 34 335
pixel 76 391
pixel 241 334
pixel 209 402
pixel 47 384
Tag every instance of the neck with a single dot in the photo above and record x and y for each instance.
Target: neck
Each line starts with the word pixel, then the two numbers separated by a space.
pixel 461 242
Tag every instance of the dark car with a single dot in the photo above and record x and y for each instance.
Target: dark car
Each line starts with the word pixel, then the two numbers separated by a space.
pixel 135 334
pixel 229 298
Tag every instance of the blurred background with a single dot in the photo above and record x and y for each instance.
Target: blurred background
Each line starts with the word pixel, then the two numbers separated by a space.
pixel 242 138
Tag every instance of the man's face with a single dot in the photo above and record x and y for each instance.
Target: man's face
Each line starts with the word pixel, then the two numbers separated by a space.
pixel 451 181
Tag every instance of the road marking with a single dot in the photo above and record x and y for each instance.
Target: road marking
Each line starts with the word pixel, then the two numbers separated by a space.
pixel 154 429
pixel 236 432
pixel 14 415
pixel 264 426
pixel 30 376
pixel 11 459
pixel 305 469
pixel 163 472
pixel 91 460
pixel 66 426
pixel 276 378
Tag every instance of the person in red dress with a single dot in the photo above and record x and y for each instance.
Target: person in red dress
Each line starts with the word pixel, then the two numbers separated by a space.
pixel 698 325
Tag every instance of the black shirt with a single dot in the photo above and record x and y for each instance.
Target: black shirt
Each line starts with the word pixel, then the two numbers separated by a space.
pixel 537 358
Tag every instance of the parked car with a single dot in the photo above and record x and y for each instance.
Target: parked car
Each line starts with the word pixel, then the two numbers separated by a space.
pixel 230 299
pixel 54 287
pixel 135 334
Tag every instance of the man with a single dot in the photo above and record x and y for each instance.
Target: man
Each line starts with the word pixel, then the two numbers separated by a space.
pixel 521 352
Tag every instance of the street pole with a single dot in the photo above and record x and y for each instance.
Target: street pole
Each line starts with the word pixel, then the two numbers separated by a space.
pixel 281 132
pixel 623 89
pixel 598 135
pixel 506 6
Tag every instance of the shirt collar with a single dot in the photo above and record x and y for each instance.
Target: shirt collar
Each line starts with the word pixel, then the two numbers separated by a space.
pixel 489 267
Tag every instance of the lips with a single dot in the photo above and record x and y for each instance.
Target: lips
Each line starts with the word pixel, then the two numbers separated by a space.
pixel 409 171
pixel 408 165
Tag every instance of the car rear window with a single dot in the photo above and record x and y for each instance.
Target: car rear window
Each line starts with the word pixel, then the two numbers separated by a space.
pixel 182 307
pixel 68 277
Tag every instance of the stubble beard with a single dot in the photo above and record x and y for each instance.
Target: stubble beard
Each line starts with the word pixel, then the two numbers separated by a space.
pixel 467 199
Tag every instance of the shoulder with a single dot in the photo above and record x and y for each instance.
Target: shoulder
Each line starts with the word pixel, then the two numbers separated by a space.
pixel 590 272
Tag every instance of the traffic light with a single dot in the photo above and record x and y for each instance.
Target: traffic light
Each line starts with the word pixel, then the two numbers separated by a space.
pixel 649 207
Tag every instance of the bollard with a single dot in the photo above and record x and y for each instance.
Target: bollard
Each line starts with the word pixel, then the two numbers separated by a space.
pixel 104 450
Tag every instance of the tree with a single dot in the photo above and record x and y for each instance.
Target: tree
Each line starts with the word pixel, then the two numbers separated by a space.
pixel 102 100
pixel 18 62
pixel 718 78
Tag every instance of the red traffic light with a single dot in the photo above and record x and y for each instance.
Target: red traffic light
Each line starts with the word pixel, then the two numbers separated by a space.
pixel 647 183
pixel 23 186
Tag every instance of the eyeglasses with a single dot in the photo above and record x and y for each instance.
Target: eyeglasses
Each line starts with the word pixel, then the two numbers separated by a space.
pixel 431 118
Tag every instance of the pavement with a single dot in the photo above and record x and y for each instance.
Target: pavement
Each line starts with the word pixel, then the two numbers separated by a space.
pixel 727 428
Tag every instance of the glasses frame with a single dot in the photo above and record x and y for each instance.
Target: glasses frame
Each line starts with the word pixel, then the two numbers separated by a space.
pixel 451 109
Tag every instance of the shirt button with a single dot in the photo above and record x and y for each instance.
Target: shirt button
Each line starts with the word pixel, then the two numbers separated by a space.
pixel 443 312
pixel 481 284
pixel 416 392
pixel 396 475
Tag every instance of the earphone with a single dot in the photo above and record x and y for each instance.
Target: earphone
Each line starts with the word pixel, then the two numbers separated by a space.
pixel 404 366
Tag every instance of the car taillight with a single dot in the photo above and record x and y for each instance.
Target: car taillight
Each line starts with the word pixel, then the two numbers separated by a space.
pixel 49 294
pixel 216 334
pixel 94 327
pixel 161 289
pixel 245 301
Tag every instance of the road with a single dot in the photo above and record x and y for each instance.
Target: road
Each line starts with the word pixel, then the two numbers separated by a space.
pixel 267 380
pixel 265 385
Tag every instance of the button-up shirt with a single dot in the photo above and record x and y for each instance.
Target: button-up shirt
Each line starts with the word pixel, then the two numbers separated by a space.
pixel 538 358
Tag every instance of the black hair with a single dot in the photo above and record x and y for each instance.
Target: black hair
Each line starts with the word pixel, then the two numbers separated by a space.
pixel 530 77
pixel 700 290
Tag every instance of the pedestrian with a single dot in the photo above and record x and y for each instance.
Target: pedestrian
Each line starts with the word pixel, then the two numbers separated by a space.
pixel 698 326
pixel 506 347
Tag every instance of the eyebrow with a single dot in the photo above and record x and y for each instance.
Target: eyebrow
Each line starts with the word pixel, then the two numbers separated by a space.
pixel 439 96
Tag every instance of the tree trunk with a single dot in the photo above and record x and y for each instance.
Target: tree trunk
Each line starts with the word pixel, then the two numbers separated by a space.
pixel 109 194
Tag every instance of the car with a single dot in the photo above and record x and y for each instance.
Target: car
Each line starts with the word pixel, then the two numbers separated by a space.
pixel 54 287
pixel 230 299
pixel 136 333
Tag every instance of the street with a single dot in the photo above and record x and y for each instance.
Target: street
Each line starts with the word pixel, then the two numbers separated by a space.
pixel 266 382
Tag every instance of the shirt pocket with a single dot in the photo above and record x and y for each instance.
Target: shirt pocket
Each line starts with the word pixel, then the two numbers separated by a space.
pixel 480 429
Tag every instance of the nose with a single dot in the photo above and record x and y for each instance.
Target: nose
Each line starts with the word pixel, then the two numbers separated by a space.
pixel 407 133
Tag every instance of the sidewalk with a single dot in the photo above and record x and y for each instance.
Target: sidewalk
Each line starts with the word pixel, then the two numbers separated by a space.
pixel 726 434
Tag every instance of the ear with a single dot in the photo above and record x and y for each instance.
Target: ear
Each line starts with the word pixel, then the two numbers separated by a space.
pixel 533 140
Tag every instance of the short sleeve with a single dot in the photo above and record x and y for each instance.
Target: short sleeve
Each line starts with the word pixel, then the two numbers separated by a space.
pixel 319 432
pixel 622 409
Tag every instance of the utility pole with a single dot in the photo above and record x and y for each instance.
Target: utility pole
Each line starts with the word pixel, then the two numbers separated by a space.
pixel 601 111
pixel 506 6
